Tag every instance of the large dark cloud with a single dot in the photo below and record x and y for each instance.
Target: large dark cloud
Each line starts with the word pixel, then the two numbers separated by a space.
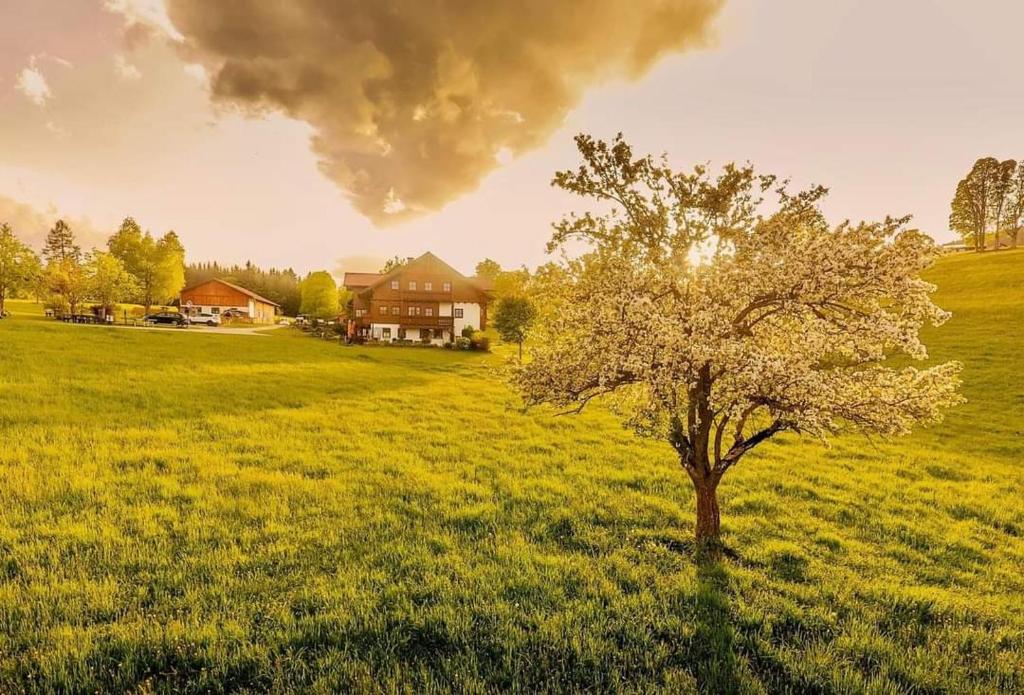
pixel 413 100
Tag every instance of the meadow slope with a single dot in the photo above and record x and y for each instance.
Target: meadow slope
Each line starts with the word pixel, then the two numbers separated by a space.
pixel 196 513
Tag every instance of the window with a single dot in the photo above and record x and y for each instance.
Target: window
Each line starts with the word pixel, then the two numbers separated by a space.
pixel 458 313
pixel 428 287
pixel 213 309
pixel 394 284
pixel 429 311
pixel 383 309
pixel 386 333
pixel 412 285
pixel 414 311
pixel 447 287
pixel 360 312
pixel 396 310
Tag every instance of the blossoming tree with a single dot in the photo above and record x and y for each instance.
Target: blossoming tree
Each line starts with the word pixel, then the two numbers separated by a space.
pixel 708 318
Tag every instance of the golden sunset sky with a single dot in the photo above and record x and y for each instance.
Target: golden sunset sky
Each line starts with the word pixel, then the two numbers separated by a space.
pixel 334 133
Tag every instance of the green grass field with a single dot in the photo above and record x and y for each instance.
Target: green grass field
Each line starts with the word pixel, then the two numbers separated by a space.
pixel 200 512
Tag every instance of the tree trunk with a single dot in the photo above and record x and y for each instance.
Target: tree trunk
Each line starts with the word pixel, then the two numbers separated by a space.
pixel 3 302
pixel 520 351
pixel 709 521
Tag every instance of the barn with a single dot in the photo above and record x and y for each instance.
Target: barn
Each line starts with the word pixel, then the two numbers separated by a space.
pixel 217 296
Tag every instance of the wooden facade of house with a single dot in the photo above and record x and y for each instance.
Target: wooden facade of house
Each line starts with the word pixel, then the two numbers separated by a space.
pixel 425 299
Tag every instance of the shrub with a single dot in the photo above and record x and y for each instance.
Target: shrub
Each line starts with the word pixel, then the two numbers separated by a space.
pixel 467 331
pixel 480 341
pixel 462 343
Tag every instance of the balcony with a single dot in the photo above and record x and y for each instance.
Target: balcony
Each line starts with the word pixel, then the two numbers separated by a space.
pixel 408 321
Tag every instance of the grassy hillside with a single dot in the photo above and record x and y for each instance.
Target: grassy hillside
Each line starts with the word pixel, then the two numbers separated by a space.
pixel 203 512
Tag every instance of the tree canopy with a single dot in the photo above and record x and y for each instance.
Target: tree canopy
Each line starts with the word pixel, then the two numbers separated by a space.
pixel 714 321
pixel 19 265
pixel 158 265
pixel 319 295
pixel 109 281
pixel 487 269
pixel 989 202
pixel 513 317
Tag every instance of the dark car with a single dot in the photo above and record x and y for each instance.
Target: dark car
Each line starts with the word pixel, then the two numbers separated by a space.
pixel 170 317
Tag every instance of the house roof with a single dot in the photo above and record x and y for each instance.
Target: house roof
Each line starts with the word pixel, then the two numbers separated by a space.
pixel 486 284
pixel 373 280
pixel 248 293
pixel 359 280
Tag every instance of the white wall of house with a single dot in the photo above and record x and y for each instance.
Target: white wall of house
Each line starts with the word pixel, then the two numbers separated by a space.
pixel 377 330
pixel 208 309
pixel 470 316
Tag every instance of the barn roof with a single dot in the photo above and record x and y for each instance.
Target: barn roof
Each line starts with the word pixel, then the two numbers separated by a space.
pixel 237 288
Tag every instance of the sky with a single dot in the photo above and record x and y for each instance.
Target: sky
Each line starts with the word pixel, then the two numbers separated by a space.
pixel 331 134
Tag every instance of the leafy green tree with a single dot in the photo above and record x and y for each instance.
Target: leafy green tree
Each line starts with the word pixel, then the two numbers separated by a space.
pixel 1015 206
pixel 109 281
pixel 170 268
pixel 513 317
pixel 64 278
pixel 60 245
pixel 980 203
pixel 487 269
pixel 512 283
pixel 127 246
pixel 19 266
pixel 67 282
pixel 158 266
pixel 319 295
pixel 1002 186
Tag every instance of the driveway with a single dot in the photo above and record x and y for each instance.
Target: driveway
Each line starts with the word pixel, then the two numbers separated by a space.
pixel 247 330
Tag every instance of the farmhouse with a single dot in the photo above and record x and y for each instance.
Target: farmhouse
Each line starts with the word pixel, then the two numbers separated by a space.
pixel 217 296
pixel 425 299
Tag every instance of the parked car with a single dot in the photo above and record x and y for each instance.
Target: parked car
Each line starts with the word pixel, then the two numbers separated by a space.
pixel 203 317
pixel 235 314
pixel 170 317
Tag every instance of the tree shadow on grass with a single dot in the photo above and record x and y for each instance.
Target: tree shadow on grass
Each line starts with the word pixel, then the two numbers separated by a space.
pixel 714 664
pixel 727 656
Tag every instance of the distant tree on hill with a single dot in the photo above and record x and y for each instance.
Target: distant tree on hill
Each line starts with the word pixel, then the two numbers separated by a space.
pixel 785 327
pixel 319 295
pixel 392 264
pixel 158 265
pixel 19 266
pixel 109 281
pixel 1015 206
pixel 513 317
pixel 986 203
pixel 487 269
